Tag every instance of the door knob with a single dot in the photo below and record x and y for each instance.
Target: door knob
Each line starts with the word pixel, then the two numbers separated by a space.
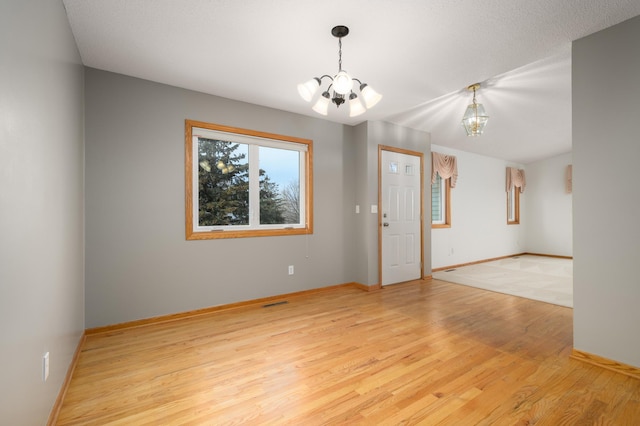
pixel 385 224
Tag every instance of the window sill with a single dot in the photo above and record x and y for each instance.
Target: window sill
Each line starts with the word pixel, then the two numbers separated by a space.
pixel 214 235
pixel 445 225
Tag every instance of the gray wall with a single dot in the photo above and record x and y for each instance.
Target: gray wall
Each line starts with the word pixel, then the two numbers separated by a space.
pixel 365 233
pixel 382 133
pixel 138 263
pixel 367 137
pixel 606 198
pixel 41 206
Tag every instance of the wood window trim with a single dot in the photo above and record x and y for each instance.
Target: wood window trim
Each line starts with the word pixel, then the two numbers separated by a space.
pixel 447 206
pixel 189 202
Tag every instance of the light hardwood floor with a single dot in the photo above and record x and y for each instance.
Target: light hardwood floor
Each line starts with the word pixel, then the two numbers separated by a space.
pixel 426 352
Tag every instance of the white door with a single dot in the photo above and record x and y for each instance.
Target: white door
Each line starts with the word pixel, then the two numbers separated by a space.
pixel 400 215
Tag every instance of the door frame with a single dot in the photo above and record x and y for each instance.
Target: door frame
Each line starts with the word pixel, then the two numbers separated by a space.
pixel 415 154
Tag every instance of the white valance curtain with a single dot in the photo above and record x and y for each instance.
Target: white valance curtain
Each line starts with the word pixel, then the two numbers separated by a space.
pixel 444 165
pixel 515 177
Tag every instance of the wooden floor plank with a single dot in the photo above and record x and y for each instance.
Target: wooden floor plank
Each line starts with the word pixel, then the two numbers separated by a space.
pixel 425 352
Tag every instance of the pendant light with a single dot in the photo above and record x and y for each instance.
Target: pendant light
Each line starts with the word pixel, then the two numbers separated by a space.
pixel 475 118
pixel 340 89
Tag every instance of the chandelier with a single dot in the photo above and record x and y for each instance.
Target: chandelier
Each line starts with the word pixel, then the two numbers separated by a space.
pixel 340 89
pixel 475 118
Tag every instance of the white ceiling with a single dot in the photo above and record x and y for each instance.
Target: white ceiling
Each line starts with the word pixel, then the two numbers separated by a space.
pixel 420 54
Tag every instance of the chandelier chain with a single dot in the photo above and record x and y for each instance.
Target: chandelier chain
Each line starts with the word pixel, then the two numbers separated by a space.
pixel 339 54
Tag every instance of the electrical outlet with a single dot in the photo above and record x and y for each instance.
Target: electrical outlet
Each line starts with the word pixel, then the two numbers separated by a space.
pixel 290 269
pixel 45 367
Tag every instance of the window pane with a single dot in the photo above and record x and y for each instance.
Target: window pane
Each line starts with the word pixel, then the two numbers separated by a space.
pixel 223 183
pixel 513 208
pixel 436 201
pixel 511 200
pixel 279 186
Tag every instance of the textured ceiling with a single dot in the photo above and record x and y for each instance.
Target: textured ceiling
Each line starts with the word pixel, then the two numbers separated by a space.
pixel 420 54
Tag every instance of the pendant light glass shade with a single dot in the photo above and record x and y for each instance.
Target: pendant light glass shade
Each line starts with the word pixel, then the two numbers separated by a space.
pixel 308 89
pixel 355 107
pixel 475 117
pixel 342 83
pixel 370 96
pixel 322 105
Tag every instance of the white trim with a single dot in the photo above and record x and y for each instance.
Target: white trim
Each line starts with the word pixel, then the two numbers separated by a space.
pixel 247 139
pixel 254 144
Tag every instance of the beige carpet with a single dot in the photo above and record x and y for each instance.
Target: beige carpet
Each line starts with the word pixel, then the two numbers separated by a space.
pixel 542 278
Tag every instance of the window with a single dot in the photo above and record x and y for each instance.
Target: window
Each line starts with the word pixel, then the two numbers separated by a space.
pixel 513 206
pixel 516 183
pixel 243 183
pixel 441 203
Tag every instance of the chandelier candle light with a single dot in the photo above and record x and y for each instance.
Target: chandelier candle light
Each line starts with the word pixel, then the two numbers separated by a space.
pixel 475 118
pixel 341 87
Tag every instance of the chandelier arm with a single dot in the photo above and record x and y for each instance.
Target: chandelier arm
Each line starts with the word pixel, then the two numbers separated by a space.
pixel 321 78
pixel 329 77
pixel 361 85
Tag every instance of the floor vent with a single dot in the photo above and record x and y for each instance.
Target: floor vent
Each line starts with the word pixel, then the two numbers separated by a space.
pixel 283 302
pixel 450 270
